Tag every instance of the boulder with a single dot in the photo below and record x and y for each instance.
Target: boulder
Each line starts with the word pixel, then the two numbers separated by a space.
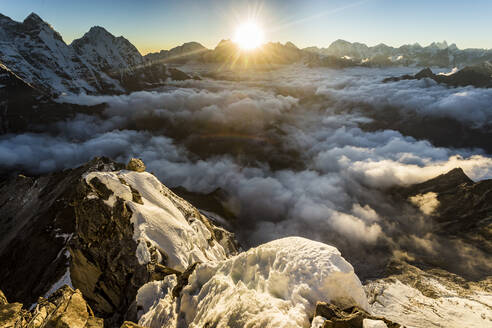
pixel 136 164
pixel 129 324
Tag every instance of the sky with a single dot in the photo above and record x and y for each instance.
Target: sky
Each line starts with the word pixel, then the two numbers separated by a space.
pixel 152 25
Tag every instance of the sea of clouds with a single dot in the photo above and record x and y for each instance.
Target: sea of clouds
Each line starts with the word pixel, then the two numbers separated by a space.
pixel 290 149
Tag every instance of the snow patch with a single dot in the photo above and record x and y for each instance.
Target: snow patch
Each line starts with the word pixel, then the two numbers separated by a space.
pixel 64 280
pixel 274 285
pixel 318 322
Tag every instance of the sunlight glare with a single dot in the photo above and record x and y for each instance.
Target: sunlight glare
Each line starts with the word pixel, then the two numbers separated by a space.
pixel 249 36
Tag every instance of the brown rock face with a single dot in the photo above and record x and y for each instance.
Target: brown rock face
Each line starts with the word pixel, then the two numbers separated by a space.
pixel 66 308
pixel 37 221
pixel 129 324
pixel 103 262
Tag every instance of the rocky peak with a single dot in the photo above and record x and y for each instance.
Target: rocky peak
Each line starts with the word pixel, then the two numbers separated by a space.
pixel 191 46
pixel 224 43
pixel 291 45
pixel 340 42
pixel 443 182
pixel 426 72
pixel 439 45
pixel 34 19
pixel 34 24
pixel 104 51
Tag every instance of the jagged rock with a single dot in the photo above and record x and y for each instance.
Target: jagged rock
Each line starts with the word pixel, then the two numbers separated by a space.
pixel 10 313
pixel 183 279
pixel 129 324
pixel 178 75
pixel 426 72
pixel 3 299
pixel 352 317
pixel 136 164
pixel 64 308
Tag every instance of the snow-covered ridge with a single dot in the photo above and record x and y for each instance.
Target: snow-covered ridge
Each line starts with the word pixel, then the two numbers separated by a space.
pixel 96 63
pixel 435 54
pixel 159 221
pixel 106 52
pixel 273 285
pixel 37 53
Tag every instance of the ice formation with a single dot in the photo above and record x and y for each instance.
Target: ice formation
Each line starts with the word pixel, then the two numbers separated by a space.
pixel 273 285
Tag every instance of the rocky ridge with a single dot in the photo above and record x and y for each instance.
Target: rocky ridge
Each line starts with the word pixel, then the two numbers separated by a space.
pixel 339 54
pixel 479 76
pixel 75 231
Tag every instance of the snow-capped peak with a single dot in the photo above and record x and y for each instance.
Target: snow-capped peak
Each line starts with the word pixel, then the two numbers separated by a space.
pixel 34 18
pixel 106 52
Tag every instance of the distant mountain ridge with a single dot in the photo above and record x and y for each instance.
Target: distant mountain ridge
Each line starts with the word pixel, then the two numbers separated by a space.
pixel 479 76
pixel 436 54
pixel 100 63
pixel 339 54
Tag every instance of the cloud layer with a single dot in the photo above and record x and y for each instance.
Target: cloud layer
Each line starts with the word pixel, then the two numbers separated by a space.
pixel 289 148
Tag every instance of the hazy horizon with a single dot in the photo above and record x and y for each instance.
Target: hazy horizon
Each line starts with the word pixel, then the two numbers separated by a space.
pixel 158 25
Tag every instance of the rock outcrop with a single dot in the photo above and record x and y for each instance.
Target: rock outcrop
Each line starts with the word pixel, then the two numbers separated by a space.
pixel 331 316
pixel 136 164
pixel 64 308
pixel 479 76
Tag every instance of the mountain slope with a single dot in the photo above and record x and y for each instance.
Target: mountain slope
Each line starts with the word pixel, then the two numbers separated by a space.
pixel 106 52
pixel 24 107
pixel 100 229
pixel 37 53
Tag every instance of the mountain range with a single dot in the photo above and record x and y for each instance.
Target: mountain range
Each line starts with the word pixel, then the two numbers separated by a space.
pixel 100 63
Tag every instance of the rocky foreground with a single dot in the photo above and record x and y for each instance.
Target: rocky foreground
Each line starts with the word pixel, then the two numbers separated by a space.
pixel 109 245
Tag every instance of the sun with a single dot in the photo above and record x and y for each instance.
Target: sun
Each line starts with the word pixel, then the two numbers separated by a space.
pixel 249 36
